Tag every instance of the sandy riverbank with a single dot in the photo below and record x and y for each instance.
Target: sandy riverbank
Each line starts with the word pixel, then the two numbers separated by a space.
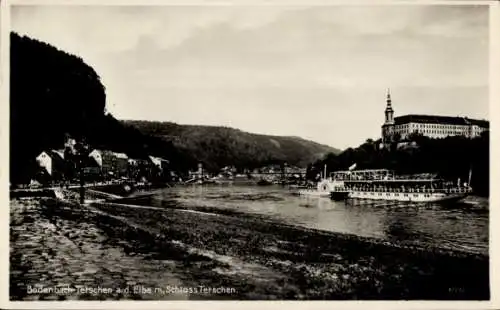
pixel 118 246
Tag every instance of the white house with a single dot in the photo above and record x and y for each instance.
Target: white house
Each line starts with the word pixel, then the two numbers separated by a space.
pixel 51 160
pixel 44 160
pixel 111 162
pixel 97 156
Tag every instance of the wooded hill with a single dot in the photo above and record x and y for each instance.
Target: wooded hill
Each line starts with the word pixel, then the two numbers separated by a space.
pixel 218 146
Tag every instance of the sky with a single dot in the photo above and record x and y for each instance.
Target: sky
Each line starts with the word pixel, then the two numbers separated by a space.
pixel 318 72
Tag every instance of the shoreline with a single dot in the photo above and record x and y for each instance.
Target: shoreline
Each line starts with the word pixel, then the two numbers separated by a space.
pixel 117 189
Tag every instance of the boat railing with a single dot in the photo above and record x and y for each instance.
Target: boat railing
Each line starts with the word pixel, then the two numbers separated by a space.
pixel 452 190
pixel 379 175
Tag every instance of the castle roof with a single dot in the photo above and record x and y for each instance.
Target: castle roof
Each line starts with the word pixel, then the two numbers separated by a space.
pixel 436 119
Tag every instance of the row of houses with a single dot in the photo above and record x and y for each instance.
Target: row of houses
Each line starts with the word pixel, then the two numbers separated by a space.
pixel 273 172
pixel 100 164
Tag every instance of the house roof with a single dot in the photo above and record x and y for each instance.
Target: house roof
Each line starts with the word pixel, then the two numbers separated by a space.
pixel 121 155
pixel 58 153
pixel 95 151
pixel 480 123
pixel 55 155
pixel 157 159
pixel 108 153
pixel 91 162
pixel 437 119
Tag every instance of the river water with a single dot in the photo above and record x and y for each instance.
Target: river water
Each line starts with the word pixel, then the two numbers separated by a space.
pixel 462 226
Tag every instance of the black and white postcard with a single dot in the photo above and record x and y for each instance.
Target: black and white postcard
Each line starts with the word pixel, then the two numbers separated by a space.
pixel 249 152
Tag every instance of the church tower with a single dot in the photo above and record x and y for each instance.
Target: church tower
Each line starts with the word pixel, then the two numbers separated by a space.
pixel 388 126
pixel 389 112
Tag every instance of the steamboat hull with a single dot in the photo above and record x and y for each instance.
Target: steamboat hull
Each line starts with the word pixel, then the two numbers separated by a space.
pixel 407 197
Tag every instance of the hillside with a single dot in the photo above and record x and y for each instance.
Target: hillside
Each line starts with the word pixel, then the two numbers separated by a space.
pixel 53 93
pixel 222 146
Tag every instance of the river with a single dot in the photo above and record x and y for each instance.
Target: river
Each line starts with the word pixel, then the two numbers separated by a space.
pixel 462 226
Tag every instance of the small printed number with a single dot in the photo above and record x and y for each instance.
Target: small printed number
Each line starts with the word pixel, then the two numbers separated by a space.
pixel 456 290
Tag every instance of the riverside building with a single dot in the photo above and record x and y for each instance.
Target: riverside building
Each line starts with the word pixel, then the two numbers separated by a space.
pixel 433 126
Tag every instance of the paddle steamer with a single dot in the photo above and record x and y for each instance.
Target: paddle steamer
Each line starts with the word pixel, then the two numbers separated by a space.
pixel 383 184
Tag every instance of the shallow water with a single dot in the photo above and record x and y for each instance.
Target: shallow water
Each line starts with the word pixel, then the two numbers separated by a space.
pixel 461 225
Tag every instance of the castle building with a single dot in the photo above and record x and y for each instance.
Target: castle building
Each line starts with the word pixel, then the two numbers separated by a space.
pixel 432 126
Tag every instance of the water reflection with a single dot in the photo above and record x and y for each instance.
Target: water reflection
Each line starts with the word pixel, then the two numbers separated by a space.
pixel 435 225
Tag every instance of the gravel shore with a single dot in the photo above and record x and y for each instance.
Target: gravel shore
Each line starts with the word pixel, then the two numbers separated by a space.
pixel 183 254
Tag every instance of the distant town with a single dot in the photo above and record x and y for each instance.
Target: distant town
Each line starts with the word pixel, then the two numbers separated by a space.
pixel 60 166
